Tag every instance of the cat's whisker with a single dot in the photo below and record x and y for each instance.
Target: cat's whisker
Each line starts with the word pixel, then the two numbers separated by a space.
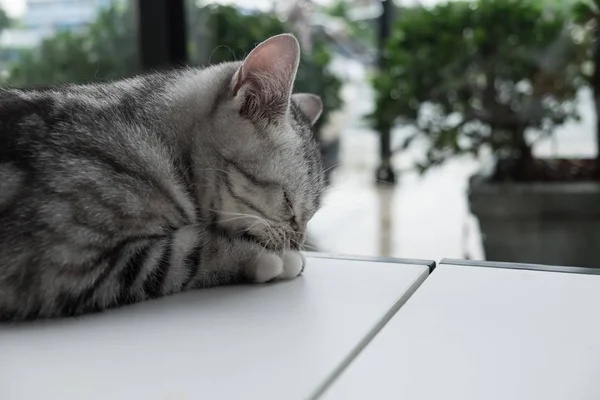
pixel 239 214
pixel 248 229
pixel 264 248
pixel 271 230
pixel 317 177
pixel 304 245
pixel 296 232
pixel 322 176
pixel 237 218
pixel 314 180
pixel 332 167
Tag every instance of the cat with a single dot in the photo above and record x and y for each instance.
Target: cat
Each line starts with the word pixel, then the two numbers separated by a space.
pixel 118 192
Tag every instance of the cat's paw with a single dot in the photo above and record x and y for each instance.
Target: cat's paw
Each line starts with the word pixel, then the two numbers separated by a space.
pixel 293 265
pixel 270 266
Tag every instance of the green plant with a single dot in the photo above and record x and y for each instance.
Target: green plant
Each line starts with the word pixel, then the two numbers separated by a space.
pixel 106 50
pixel 224 33
pixel 587 15
pixel 465 75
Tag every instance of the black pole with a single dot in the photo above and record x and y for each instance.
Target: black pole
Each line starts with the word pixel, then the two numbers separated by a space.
pixel 385 173
pixel 596 90
pixel 162 33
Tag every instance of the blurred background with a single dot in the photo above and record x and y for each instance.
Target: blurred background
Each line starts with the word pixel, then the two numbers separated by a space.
pixel 459 129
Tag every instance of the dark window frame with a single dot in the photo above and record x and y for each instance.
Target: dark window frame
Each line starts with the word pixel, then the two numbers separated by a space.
pixel 162 37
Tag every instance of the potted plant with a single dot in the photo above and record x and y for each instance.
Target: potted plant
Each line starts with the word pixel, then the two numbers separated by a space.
pixel 587 15
pixel 498 75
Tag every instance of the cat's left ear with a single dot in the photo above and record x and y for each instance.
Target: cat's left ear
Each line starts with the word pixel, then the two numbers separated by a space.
pixel 265 80
pixel 310 105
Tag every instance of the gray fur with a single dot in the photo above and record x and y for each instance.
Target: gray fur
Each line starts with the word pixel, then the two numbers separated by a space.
pixel 119 192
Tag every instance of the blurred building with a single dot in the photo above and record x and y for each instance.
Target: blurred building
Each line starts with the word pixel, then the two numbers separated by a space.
pixel 48 16
pixel 43 18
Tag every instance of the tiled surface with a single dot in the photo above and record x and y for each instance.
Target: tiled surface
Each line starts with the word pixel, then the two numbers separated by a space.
pixel 420 217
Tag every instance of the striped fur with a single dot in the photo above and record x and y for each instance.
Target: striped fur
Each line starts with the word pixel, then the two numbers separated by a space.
pixel 115 193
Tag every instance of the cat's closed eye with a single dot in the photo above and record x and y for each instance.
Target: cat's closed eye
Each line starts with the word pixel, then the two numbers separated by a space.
pixel 288 202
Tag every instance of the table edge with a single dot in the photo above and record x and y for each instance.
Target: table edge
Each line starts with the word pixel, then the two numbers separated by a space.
pixel 428 263
pixel 519 266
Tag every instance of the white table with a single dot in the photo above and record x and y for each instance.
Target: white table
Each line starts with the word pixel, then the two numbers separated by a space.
pixel 276 341
pixel 489 332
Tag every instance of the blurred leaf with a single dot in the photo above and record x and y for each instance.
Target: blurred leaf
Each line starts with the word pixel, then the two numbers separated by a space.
pixel 500 66
pixel 406 143
pixel 582 12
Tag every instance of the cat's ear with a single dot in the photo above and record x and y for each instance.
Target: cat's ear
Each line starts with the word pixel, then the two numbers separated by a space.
pixel 310 105
pixel 265 80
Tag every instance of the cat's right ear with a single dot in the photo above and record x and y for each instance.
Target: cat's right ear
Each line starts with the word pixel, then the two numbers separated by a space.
pixel 263 84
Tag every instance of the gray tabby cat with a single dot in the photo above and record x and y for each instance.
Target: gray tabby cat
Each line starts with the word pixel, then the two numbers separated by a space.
pixel 119 192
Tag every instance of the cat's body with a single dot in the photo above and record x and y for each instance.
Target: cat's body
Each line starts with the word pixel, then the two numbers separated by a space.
pixel 119 192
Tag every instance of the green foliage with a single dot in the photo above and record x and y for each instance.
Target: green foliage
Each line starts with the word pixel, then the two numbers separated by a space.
pixel 472 74
pixel 107 50
pixel 224 33
pixel 586 16
pixel 583 12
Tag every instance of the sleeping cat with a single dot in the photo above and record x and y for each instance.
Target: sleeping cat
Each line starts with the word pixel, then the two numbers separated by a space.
pixel 119 192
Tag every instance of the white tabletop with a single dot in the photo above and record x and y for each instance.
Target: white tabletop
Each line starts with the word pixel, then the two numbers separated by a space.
pixel 473 333
pixel 276 341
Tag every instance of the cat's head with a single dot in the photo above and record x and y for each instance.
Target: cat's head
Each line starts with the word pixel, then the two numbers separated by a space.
pixel 271 168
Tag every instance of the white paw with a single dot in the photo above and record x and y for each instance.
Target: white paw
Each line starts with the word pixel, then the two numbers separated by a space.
pixel 293 265
pixel 268 267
